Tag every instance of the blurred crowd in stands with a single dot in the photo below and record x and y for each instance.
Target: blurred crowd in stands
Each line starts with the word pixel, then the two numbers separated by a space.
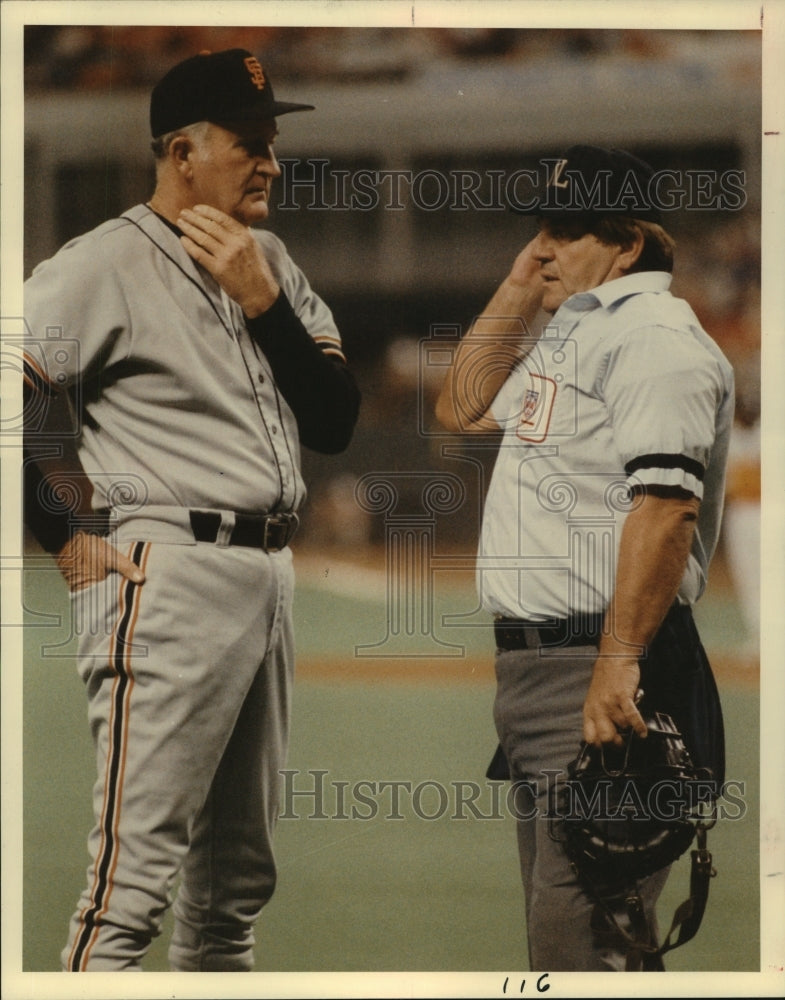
pixel 136 56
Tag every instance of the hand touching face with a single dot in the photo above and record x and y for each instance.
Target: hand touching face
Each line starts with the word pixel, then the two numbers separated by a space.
pixel 225 247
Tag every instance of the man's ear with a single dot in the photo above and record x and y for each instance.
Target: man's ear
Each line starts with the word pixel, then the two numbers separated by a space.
pixel 180 150
pixel 629 255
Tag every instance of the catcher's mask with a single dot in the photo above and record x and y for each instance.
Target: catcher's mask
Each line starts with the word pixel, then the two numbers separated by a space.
pixel 624 813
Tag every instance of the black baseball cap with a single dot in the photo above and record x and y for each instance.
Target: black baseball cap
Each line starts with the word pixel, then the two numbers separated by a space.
pixel 215 87
pixel 590 181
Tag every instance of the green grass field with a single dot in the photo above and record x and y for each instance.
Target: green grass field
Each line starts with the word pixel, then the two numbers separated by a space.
pixel 428 887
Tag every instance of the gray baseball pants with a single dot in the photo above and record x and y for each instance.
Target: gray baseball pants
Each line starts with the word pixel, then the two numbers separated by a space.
pixel 188 679
pixel 539 721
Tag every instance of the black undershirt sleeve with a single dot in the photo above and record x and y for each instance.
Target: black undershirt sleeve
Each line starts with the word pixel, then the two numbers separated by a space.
pixel 319 388
pixel 52 514
pixel 50 524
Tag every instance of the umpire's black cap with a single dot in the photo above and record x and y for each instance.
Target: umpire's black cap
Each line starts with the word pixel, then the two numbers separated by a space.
pixel 591 181
pixel 215 87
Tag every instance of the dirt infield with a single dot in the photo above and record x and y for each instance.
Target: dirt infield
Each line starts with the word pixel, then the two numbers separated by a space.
pixel 728 670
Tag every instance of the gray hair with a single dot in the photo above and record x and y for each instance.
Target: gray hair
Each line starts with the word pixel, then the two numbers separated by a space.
pixel 160 145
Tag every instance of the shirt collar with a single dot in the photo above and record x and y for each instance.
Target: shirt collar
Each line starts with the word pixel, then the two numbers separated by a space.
pixel 605 296
pixel 611 292
pixel 631 284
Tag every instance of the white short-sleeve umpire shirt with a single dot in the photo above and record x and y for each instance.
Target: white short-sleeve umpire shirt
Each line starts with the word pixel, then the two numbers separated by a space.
pixel 624 388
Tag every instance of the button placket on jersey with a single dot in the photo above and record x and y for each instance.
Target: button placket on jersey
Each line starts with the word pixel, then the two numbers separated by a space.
pixel 267 399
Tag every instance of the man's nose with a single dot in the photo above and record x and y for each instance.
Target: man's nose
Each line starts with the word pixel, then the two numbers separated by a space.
pixel 267 163
pixel 543 248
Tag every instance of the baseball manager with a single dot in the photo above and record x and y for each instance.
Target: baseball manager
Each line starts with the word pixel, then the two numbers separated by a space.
pixel 601 517
pixel 203 361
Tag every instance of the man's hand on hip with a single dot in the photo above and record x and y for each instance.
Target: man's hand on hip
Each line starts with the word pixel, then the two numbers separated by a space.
pixel 226 248
pixel 610 707
pixel 88 559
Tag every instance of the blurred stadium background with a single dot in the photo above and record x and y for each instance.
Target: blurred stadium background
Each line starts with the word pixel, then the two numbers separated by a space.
pixel 395 674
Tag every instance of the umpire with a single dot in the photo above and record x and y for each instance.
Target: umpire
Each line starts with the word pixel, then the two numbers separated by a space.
pixel 601 518
pixel 197 359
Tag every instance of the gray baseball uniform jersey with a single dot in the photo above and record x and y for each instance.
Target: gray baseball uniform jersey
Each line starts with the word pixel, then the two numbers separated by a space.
pixel 177 400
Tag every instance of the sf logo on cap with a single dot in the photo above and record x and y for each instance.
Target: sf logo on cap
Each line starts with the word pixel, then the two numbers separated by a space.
pixel 256 72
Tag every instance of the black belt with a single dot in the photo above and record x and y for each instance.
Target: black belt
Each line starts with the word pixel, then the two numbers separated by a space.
pixel 270 532
pixel 578 630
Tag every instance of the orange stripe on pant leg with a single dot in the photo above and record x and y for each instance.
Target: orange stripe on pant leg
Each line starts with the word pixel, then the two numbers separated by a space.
pixel 105 863
pixel 104 806
pixel 125 728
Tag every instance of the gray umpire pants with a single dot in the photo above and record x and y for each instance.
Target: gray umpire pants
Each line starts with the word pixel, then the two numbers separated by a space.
pixel 188 679
pixel 538 713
